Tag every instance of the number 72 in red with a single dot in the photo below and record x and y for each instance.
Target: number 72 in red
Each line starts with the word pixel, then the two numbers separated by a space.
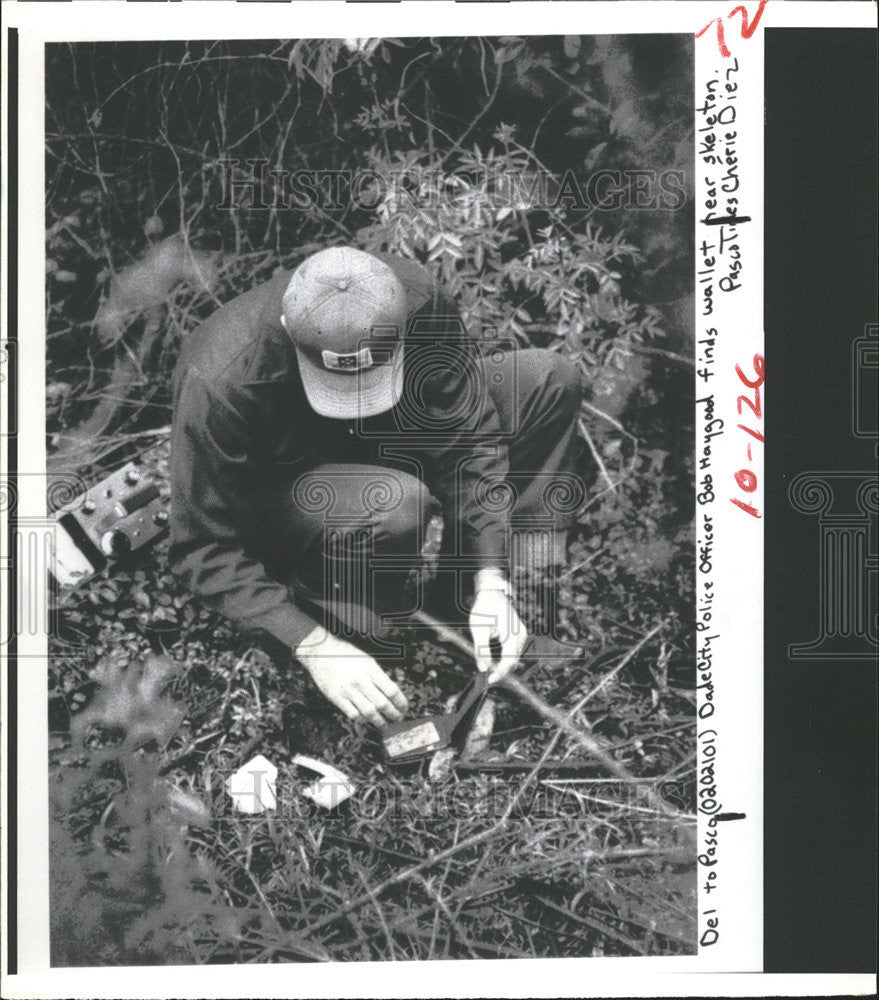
pixel 748 27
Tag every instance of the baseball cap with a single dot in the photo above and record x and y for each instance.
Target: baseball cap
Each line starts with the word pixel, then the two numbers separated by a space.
pixel 346 313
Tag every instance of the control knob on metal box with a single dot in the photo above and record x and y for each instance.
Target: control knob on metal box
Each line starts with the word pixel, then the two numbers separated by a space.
pixel 116 517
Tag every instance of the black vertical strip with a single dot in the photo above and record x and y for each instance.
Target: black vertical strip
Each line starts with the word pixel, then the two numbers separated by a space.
pixel 12 427
pixel 820 292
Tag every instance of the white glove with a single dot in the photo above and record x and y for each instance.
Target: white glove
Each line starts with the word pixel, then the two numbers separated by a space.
pixel 494 616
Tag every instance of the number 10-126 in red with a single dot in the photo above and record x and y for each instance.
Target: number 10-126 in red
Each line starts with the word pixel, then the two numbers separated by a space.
pixel 746 479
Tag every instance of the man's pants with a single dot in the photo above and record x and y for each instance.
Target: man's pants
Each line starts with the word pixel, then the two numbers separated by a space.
pixel 356 532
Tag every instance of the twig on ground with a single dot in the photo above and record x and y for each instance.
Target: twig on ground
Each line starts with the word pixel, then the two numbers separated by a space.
pixel 392 954
pixel 593 924
pixel 468 842
pixel 583 739
pixel 563 724
pixel 453 929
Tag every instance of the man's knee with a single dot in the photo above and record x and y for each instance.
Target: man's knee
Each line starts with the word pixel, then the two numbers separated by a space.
pixel 394 504
pixel 566 378
pixel 405 517
pixel 345 496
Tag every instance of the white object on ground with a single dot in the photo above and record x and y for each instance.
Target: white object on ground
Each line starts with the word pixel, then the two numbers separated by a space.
pixel 69 564
pixel 441 762
pixel 252 786
pixel 331 789
pixel 479 737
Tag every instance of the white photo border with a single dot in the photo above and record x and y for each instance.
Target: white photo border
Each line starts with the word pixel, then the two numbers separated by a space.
pixel 734 545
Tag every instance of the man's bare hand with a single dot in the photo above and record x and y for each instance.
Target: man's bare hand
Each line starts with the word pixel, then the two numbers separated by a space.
pixel 351 679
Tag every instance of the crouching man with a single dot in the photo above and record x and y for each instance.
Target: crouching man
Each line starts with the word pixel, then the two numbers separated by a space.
pixel 321 420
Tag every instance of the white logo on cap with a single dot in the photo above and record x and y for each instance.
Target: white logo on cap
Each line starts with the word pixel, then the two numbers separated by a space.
pixel 347 362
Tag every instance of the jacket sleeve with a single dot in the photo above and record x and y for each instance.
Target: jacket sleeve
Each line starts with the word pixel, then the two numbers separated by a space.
pixel 211 476
pixel 469 457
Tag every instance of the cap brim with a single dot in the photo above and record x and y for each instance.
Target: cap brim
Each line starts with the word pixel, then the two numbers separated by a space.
pixel 355 395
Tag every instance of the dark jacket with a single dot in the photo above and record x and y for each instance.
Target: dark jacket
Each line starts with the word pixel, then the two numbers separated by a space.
pixel 243 431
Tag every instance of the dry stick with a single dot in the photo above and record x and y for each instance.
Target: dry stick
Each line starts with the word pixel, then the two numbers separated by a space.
pixel 409 873
pixel 457 144
pixel 578 566
pixel 563 725
pixel 608 418
pixel 611 485
pixel 380 912
pixel 596 925
pixel 453 930
pixel 560 786
pixel 415 915
pixel 476 838
pixel 500 951
pixel 588 98
pixel 586 741
pixel 660 353
pixel 538 926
